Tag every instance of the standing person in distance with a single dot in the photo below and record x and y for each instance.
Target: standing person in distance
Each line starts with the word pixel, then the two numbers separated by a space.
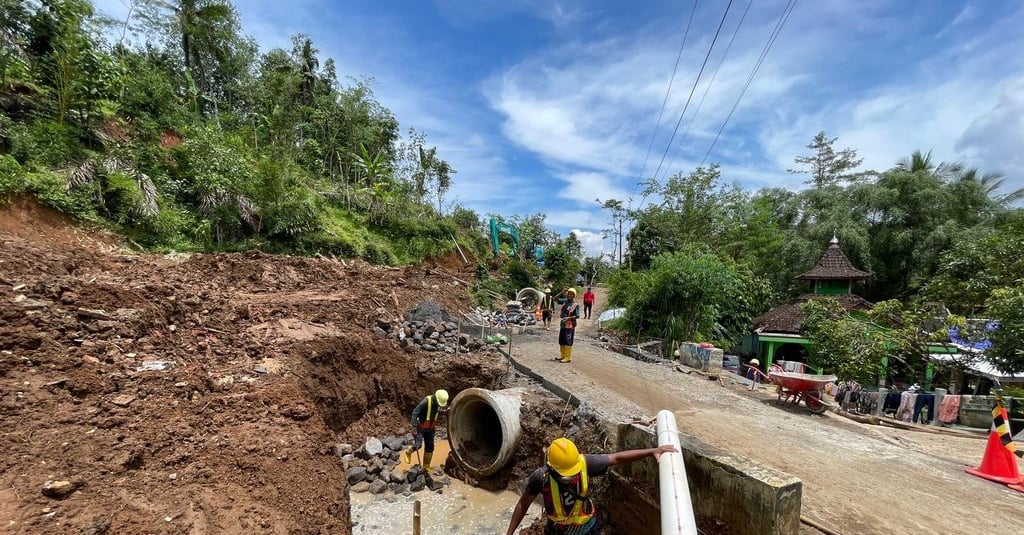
pixel 564 483
pixel 547 307
pixel 570 315
pixel 588 302
pixel 424 422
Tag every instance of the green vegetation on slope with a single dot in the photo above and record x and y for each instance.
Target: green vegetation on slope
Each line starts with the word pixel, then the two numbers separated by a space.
pixel 196 141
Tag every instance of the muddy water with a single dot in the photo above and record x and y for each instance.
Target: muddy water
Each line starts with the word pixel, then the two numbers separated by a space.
pixel 458 510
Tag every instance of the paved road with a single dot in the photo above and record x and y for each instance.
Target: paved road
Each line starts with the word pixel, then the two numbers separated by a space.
pixel 858 479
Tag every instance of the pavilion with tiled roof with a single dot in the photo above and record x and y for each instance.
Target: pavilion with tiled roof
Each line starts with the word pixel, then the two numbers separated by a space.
pixel 778 330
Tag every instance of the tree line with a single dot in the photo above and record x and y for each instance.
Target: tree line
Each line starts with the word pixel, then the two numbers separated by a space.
pixel 172 127
pixel 708 256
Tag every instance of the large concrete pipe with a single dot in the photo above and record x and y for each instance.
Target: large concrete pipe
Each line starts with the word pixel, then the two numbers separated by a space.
pixel 676 506
pixel 483 428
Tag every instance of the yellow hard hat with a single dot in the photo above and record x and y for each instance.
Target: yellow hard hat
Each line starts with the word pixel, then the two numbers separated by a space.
pixel 564 458
pixel 571 291
pixel 442 397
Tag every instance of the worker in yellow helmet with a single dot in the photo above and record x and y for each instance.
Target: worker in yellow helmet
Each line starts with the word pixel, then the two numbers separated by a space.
pixel 424 422
pixel 570 315
pixel 564 483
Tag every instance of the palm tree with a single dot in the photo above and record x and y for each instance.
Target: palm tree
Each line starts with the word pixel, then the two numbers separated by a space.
pixel 922 162
pixel 308 65
pixel 990 184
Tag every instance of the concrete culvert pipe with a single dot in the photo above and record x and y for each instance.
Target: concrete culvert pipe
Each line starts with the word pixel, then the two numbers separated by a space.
pixel 483 428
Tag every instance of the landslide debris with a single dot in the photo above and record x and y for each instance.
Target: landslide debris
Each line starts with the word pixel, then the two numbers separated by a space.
pixel 199 393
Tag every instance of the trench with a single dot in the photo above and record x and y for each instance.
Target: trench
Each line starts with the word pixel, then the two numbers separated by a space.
pixel 364 390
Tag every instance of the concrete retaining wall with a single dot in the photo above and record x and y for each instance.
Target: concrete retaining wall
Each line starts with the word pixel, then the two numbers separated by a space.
pixel 750 498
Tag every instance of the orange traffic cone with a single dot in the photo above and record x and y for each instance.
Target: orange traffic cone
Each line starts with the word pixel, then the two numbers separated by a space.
pixel 999 464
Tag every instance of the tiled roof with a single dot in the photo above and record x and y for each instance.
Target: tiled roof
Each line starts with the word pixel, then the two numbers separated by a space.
pixel 788 318
pixel 833 265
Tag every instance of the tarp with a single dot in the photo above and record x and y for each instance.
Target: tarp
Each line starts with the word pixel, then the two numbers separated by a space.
pixel 611 314
pixel 979 366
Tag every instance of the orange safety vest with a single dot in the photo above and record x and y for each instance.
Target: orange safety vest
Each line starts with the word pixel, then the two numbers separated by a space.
pixel 581 508
pixel 570 314
pixel 428 421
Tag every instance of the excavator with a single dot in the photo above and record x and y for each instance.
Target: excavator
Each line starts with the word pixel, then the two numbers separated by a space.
pixel 501 227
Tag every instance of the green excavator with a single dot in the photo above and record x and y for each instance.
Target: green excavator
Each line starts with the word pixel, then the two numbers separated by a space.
pixel 501 227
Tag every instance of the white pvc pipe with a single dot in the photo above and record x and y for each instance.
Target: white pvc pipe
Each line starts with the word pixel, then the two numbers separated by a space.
pixel 676 507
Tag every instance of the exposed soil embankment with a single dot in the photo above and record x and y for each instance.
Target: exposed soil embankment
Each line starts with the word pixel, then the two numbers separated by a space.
pixel 196 393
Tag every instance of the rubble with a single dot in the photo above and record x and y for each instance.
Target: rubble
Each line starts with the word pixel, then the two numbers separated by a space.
pixel 374 468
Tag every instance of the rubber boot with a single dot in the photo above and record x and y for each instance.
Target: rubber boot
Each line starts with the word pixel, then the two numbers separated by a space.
pixel 564 350
pixel 408 454
pixel 568 354
pixel 426 461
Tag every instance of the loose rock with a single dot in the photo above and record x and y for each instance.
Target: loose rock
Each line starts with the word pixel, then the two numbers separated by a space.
pixel 59 490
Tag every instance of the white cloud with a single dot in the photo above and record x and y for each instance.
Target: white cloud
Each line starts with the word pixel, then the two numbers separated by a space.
pixel 578 219
pixel 467 12
pixel 593 242
pixel 998 135
pixel 587 187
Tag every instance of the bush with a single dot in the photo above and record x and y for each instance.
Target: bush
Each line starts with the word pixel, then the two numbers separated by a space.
pixel 50 188
pixel 688 296
pixel 49 144
pixel 520 275
pixel 11 180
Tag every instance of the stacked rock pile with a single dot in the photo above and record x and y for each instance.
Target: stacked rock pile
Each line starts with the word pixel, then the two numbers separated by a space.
pixel 427 327
pixel 374 468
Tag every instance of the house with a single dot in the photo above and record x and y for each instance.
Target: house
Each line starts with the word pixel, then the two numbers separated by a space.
pixel 777 332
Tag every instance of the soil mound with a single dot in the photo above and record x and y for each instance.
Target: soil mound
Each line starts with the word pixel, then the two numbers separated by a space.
pixel 198 393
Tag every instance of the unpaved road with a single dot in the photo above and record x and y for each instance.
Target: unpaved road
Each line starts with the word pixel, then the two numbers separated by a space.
pixel 858 479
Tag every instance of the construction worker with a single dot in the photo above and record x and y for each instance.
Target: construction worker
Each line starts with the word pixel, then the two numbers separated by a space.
pixel 424 419
pixel 564 482
pixel 570 315
pixel 547 306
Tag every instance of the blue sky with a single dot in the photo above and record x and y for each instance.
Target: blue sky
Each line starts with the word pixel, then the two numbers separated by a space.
pixel 545 106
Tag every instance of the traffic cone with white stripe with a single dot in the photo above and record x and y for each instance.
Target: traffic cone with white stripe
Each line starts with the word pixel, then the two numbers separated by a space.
pixel 999 463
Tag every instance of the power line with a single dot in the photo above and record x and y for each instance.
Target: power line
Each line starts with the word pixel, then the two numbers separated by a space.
pixel 700 105
pixel 665 101
pixel 688 99
pixel 764 53
pixel 693 89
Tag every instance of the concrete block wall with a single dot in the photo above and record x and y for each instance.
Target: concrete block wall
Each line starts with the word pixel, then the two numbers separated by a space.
pixel 750 498
pixel 706 359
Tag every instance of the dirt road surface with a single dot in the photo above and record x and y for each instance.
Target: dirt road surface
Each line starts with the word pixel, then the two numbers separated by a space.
pixel 858 479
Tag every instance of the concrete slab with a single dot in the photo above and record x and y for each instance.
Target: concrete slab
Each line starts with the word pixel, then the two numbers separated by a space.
pixel 746 496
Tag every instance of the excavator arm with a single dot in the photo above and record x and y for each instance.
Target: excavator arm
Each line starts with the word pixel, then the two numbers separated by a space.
pixel 500 227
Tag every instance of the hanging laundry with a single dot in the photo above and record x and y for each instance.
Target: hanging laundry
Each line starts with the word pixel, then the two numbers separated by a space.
pixel 892 403
pixel 924 401
pixel 906 410
pixel 949 409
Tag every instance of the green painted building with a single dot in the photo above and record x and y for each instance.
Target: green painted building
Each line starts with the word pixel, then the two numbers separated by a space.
pixel 777 332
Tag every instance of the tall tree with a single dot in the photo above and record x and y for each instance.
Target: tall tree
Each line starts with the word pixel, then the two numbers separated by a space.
pixel 616 231
pixel 825 165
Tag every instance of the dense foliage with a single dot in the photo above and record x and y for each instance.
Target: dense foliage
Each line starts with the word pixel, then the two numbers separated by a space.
pixel 691 295
pixel 927 231
pixel 172 127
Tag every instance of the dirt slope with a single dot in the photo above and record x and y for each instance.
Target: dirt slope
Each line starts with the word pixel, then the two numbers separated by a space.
pixel 269 357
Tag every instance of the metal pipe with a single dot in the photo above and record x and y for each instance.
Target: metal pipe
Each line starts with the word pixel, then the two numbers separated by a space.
pixel 676 506
pixel 416 518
